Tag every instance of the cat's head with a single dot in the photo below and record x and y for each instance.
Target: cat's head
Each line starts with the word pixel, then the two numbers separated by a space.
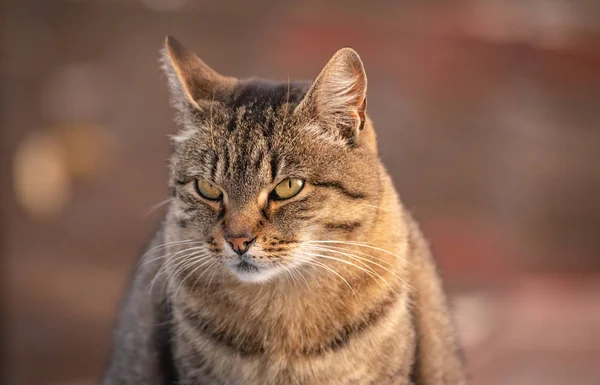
pixel 265 175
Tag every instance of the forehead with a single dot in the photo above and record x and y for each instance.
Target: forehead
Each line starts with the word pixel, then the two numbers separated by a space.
pixel 258 115
pixel 259 121
pixel 249 140
pixel 260 95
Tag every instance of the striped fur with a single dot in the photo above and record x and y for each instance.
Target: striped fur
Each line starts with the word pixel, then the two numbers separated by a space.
pixel 338 286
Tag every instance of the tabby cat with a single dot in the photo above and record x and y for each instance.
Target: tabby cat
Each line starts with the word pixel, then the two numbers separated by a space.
pixel 285 256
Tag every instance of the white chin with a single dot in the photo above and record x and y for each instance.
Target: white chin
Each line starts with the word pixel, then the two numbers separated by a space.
pixel 251 273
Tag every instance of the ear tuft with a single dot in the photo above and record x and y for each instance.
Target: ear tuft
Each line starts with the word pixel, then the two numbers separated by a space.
pixel 192 82
pixel 337 98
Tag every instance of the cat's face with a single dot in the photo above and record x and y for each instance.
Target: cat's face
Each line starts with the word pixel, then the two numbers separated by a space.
pixel 266 176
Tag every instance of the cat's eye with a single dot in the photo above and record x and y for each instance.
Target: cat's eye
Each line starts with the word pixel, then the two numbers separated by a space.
pixel 207 190
pixel 288 188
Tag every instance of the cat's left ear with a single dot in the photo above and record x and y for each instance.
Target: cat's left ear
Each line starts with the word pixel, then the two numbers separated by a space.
pixel 338 97
pixel 192 82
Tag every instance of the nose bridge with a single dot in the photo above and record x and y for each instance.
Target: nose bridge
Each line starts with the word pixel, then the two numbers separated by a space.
pixel 239 227
pixel 241 220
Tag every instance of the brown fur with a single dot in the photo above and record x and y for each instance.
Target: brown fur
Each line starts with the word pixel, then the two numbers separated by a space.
pixel 341 287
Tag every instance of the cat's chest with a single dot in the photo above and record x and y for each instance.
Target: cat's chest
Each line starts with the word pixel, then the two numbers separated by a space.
pixel 202 360
pixel 190 374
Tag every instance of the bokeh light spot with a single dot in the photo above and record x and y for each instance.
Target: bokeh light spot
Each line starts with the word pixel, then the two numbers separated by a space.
pixel 42 185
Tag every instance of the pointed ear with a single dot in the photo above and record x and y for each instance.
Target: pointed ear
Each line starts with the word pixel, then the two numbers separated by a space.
pixel 192 82
pixel 338 97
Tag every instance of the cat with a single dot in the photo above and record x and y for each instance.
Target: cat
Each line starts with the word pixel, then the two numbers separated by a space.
pixel 285 255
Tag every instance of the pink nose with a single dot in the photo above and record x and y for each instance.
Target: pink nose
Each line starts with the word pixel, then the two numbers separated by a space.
pixel 240 243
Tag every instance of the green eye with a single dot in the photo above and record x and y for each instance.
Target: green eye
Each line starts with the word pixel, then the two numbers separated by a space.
pixel 288 188
pixel 207 190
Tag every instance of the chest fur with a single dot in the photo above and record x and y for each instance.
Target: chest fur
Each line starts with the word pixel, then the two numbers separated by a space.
pixel 381 352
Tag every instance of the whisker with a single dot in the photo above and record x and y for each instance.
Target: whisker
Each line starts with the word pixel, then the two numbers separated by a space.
pixel 187 262
pixel 342 261
pixel 163 245
pixel 356 257
pixel 368 256
pixel 174 254
pixel 164 269
pixel 298 270
pixel 289 273
pixel 372 273
pixel 333 248
pixel 352 256
pixel 216 261
pixel 215 270
pixel 157 206
pixel 360 244
pixel 205 260
pixel 184 263
pixel 301 270
pixel 295 274
pixel 316 263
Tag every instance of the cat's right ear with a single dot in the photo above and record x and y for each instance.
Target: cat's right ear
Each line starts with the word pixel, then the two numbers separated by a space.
pixel 192 82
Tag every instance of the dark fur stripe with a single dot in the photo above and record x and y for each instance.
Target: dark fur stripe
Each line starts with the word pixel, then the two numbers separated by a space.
pixel 274 166
pixel 258 161
pixel 339 187
pixel 246 345
pixel 265 213
pixel 226 160
pixel 299 204
pixel 213 169
pixel 367 320
pixel 251 345
pixel 347 226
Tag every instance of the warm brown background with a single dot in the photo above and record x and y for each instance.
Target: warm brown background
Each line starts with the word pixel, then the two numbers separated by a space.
pixel 488 116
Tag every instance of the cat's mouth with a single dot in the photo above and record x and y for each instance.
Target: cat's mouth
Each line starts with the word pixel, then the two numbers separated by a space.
pixel 246 266
pixel 245 269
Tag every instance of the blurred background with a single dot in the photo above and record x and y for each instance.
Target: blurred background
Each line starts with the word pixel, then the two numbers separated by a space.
pixel 488 114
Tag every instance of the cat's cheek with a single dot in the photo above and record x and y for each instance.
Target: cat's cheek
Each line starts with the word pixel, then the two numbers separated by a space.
pixel 192 221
